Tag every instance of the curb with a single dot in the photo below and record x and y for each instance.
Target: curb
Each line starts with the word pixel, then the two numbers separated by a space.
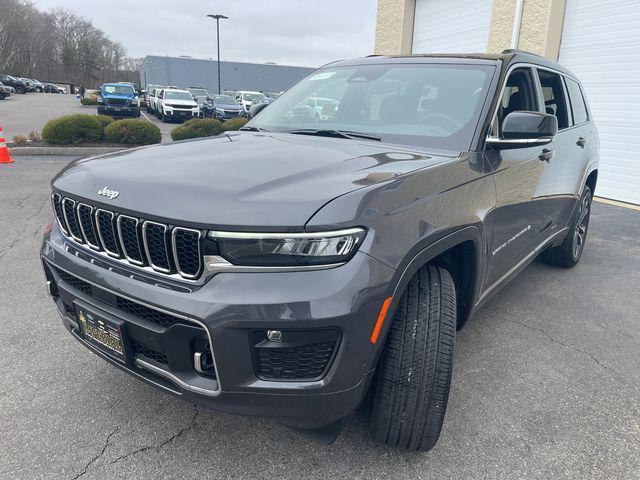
pixel 64 151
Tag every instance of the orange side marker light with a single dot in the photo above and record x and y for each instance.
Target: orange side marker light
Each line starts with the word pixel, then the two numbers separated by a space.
pixel 381 316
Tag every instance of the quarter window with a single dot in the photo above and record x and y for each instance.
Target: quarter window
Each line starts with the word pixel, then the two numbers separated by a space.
pixel 578 106
pixel 554 99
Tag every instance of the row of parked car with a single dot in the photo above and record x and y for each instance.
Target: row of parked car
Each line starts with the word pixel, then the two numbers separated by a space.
pixel 173 103
pixel 10 85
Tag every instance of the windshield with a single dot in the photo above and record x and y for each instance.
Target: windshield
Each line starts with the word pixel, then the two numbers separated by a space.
pixel 433 105
pixel 198 92
pixel 118 89
pixel 178 95
pixel 248 97
pixel 224 100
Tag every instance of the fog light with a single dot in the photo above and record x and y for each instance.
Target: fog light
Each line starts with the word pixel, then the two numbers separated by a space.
pixel 274 335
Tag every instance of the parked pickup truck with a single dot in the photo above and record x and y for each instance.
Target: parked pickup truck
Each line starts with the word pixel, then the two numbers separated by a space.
pixel 118 100
pixel 303 264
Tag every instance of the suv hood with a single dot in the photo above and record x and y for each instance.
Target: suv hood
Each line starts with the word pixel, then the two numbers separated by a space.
pixel 242 181
pixel 190 103
pixel 228 106
pixel 114 96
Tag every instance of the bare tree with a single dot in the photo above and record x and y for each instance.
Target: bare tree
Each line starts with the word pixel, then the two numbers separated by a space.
pixel 59 46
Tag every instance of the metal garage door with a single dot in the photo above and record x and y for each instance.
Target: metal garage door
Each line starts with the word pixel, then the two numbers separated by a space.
pixel 601 45
pixel 443 26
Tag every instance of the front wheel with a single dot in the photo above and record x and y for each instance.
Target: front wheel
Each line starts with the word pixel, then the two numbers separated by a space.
pixel 569 252
pixel 414 375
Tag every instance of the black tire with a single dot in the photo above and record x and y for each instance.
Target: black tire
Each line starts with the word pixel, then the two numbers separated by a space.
pixel 414 374
pixel 569 252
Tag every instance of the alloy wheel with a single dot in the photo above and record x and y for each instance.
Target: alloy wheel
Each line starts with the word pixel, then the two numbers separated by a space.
pixel 580 231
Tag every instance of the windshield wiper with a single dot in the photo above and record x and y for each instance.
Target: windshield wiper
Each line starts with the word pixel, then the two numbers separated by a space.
pixel 251 128
pixel 334 133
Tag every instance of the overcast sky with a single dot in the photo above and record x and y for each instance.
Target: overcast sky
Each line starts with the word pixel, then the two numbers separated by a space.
pixel 289 32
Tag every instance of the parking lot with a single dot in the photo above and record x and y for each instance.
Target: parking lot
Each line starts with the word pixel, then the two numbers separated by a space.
pixel 21 114
pixel 546 381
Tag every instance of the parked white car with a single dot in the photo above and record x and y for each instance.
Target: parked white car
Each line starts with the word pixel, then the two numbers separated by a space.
pixel 175 104
pixel 246 98
pixel 152 98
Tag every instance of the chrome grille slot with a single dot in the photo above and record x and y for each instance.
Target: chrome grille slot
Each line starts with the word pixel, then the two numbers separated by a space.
pixel 56 201
pixel 152 246
pixel 107 233
pixel 186 251
pixel 156 246
pixel 85 219
pixel 69 212
pixel 130 239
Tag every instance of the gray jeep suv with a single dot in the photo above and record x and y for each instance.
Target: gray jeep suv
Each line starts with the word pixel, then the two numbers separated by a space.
pixel 288 269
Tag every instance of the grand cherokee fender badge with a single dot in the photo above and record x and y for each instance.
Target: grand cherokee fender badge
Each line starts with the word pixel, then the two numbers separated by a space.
pixel 107 192
pixel 512 239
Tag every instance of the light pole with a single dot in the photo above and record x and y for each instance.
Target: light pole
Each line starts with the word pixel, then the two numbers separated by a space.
pixel 218 17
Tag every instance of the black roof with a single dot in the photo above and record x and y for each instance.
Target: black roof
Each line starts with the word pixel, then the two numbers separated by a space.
pixel 506 58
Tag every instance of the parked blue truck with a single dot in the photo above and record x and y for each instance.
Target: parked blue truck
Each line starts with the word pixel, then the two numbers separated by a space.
pixel 118 100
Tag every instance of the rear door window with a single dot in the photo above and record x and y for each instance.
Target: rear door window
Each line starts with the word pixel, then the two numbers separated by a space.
pixel 578 106
pixel 554 99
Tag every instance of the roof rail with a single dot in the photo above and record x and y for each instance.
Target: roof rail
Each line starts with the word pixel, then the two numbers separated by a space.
pixel 517 50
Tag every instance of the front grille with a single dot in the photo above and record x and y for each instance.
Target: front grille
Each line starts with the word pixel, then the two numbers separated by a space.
pixel 137 310
pixel 75 282
pixel 187 258
pixel 73 225
pixel 56 200
pixel 164 248
pixel 140 349
pixel 89 232
pixel 303 362
pixel 184 107
pixel 107 232
pixel 146 313
pixel 116 101
pixel 129 239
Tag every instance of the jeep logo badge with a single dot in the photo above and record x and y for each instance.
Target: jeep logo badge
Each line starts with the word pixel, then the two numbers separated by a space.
pixel 107 192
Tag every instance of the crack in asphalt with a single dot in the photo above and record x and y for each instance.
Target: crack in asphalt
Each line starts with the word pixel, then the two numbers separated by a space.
pixel 16 240
pixel 22 200
pixel 164 443
pixel 95 458
pixel 615 374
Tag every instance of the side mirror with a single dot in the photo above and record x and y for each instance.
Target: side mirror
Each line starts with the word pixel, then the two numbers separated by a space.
pixel 256 109
pixel 526 129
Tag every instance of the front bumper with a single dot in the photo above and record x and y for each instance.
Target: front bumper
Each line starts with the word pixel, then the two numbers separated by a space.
pixel 229 116
pixel 119 110
pixel 180 114
pixel 228 309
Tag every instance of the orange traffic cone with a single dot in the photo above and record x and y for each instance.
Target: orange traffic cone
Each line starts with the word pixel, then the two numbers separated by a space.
pixel 4 151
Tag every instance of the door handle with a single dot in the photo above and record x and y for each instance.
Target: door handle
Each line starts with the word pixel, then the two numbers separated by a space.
pixel 546 155
pixel 581 142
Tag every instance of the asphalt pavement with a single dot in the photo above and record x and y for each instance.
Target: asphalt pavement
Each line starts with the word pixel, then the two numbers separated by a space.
pixel 21 114
pixel 546 383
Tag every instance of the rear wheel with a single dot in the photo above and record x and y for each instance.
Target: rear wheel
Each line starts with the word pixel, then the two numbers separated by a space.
pixel 568 253
pixel 414 375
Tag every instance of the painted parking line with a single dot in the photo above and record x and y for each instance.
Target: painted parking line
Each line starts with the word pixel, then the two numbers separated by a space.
pixel 145 116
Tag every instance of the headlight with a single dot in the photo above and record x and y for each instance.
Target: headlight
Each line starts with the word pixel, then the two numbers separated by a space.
pixel 135 102
pixel 289 249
